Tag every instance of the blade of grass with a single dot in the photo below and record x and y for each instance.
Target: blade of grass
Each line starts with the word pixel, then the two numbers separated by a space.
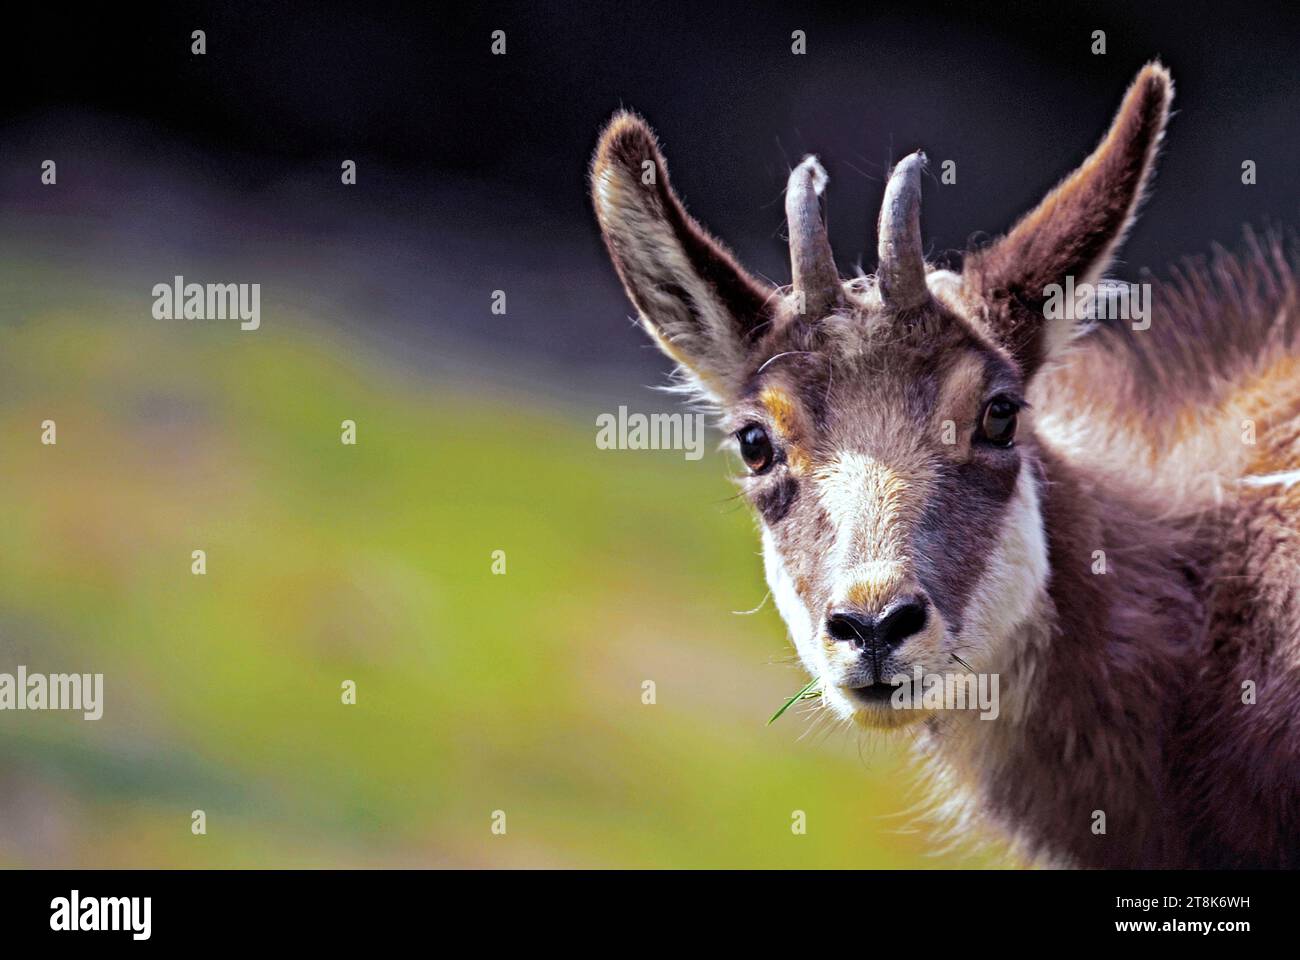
pixel 803 694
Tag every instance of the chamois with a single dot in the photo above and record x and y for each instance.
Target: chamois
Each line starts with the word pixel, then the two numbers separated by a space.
pixel 948 475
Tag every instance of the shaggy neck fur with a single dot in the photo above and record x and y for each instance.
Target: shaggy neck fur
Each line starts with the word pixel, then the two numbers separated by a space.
pixel 1090 685
pixel 1126 691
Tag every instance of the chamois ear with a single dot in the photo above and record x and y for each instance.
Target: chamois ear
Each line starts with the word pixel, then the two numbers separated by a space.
pixel 1074 231
pixel 701 308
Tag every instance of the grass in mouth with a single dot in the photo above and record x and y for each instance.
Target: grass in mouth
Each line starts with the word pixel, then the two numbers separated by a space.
pixel 807 693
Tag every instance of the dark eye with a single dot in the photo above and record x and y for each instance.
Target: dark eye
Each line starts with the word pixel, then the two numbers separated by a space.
pixel 998 423
pixel 755 448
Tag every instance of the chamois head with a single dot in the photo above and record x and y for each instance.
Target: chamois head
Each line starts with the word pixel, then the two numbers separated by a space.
pixel 889 451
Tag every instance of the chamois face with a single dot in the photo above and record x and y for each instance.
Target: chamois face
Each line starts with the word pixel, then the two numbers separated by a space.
pixel 891 464
pixel 889 453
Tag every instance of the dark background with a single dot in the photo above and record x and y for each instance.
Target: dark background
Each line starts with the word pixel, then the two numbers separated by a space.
pixel 472 166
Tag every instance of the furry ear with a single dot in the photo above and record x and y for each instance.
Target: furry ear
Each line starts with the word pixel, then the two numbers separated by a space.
pixel 702 309
pixel 1075 230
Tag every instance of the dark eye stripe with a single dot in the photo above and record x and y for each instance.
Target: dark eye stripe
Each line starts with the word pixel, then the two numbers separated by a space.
pixel 775 502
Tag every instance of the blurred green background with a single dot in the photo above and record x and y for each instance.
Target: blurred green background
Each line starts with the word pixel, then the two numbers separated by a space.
pixel 372 563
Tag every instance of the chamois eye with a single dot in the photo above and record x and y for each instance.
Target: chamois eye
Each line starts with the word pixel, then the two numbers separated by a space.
pixel 755 448
pixel 998 423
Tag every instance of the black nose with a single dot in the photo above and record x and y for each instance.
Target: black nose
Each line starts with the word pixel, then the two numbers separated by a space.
pixel 896 623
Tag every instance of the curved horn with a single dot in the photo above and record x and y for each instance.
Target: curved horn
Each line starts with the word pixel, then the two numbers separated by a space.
pixel 901 272
pixel 811 262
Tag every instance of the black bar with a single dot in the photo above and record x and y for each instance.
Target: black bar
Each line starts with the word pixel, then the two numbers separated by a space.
pixel 903 910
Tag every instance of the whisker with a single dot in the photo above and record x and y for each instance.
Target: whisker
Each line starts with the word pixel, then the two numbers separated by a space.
pixel 746 613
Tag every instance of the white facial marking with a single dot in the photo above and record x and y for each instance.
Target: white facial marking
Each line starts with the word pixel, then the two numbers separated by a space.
pixel 798 620
pixel 870 506
pixel 1012 589
pixel 864 501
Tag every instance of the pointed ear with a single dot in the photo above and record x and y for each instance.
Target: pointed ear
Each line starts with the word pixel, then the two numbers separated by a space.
pixel 1075 230
pixel 702 309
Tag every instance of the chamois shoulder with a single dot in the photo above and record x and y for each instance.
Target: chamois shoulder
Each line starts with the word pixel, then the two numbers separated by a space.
pixel 1165 404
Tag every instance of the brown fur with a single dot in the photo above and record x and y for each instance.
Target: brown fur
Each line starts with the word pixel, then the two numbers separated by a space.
pixel 1203 594
pixel 1123 689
